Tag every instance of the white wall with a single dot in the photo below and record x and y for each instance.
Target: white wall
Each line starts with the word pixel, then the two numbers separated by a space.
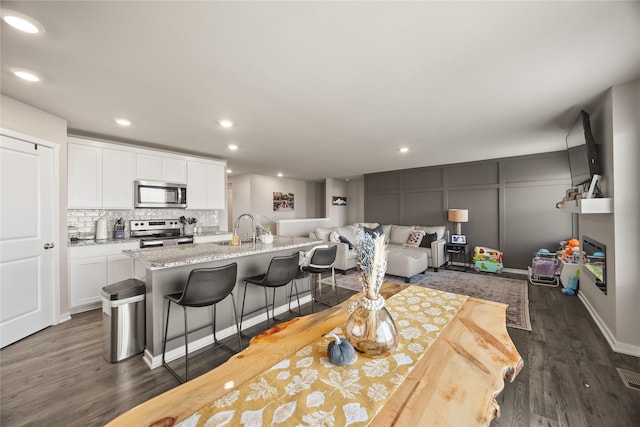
pixel 626 202
pixel 25 119
pixel 355 201
pixel 615 125
pixel 254 194
pixel 337 214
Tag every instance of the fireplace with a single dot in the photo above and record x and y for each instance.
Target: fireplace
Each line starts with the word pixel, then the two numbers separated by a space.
pixel 595 262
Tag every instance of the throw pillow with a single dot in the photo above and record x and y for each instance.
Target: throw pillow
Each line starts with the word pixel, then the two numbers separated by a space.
pixel 428 239
pixel 345 240
pixel 333 237
pixel 415 238
pixel 400 234
pixel 372 231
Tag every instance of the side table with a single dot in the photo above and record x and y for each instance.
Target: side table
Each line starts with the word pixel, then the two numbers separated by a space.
pixel 458 253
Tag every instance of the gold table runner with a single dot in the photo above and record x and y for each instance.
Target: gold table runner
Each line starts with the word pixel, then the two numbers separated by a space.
pixel 306 389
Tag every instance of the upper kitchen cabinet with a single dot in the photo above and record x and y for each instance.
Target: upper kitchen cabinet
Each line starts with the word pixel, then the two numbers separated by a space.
pixel 85 176
pixel 160 168
pixel 117 178
pixel 99 177
pixel 205 185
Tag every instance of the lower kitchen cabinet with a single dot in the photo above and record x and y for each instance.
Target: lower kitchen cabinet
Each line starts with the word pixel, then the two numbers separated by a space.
pixel 93 267
pixel 87 276
pixel 119 267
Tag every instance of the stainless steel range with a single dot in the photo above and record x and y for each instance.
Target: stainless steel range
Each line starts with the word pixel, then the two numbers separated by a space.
pixel 158 232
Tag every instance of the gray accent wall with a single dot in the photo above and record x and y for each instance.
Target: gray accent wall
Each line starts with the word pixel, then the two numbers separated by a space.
pixel 511 201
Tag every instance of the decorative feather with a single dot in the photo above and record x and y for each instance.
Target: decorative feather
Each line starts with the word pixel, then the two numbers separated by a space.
pixel 371 260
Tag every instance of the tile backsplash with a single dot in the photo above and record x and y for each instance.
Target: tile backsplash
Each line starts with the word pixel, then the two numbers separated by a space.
pixel 84 220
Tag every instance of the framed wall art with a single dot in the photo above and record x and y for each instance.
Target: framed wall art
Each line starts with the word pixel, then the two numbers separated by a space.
pixel 338 201
pixel 283 202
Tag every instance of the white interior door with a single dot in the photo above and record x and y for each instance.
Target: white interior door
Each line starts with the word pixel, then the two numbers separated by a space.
pixel 26 238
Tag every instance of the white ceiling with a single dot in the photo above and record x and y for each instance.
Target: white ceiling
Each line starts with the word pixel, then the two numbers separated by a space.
pixel 325 89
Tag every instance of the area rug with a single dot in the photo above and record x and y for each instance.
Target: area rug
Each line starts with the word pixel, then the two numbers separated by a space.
pixel 510 291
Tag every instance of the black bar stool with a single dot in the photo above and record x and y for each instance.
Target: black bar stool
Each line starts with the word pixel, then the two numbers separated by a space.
pixel 205 288
pixel 301 274
pixel 322 261
pixel 281 271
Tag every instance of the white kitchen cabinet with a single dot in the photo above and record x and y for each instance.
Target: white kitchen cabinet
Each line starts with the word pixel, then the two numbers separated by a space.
pixel 148 167
pixel 205 185
pixel 85 176
pixel 117 178
pixel 196 185
pixel 93 267
pixel 161 168
pixel 216 187
pixel 87 276
pixel 174 170
pixel 119 267
pixel 101 175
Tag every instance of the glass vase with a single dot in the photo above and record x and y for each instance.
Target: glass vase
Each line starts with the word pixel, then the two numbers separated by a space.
pixel 371 329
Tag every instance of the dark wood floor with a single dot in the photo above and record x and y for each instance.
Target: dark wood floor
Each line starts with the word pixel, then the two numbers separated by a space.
pixel 569 376
pixel 58 376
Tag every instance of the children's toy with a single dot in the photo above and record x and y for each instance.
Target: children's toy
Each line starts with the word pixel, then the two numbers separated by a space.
pixel 570 251
pixel 572 286
pixel 487 259
pixel 544 268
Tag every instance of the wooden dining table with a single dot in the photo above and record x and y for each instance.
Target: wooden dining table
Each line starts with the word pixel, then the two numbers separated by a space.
pixel 455 382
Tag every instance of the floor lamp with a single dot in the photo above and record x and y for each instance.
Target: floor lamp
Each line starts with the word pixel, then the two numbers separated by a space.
pixel 458 216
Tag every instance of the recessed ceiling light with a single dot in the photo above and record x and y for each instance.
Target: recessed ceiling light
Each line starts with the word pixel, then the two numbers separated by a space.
pixel 404 149
pixel 22 22
pixel 280 174
pixel 225 123
pixel 122 121
pixel 27 75
pixel 232 147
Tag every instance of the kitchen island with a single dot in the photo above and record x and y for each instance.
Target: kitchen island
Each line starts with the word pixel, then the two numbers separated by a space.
pixel 165 270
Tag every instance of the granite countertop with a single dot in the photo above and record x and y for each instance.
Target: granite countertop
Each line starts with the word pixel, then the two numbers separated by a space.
pixel 93 242
pixel 179 255
pixel 205 231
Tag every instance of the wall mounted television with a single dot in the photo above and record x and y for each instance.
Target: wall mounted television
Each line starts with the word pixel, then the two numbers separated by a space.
pixel 583 151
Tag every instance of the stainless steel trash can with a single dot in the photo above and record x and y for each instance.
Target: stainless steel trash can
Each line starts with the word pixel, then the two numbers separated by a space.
pixel 123 319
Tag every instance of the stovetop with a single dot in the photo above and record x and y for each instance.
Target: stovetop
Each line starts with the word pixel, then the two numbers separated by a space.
pixel 155 227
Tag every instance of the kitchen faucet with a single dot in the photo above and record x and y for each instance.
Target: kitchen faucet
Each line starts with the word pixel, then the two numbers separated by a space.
pixel 253 226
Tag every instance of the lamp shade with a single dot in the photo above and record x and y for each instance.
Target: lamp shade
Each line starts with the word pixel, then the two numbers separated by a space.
pixel 458 215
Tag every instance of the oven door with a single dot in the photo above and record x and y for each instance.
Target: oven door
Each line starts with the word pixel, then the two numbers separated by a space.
pixel 157 194
pixel 151 242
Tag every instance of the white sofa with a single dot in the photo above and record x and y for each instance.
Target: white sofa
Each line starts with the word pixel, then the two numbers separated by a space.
pixel 397 236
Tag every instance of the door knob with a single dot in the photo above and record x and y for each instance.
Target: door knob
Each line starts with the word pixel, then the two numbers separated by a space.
pixel 48 245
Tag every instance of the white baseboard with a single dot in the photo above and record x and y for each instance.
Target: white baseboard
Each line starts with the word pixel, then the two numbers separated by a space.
pixel 617 346
pixel 86 307
pixel 64 317
pixel 156 361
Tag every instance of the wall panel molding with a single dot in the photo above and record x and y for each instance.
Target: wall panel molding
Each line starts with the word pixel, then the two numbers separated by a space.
pixel 509 201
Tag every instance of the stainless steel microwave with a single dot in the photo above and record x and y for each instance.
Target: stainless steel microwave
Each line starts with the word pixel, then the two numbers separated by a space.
pixel 157 194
